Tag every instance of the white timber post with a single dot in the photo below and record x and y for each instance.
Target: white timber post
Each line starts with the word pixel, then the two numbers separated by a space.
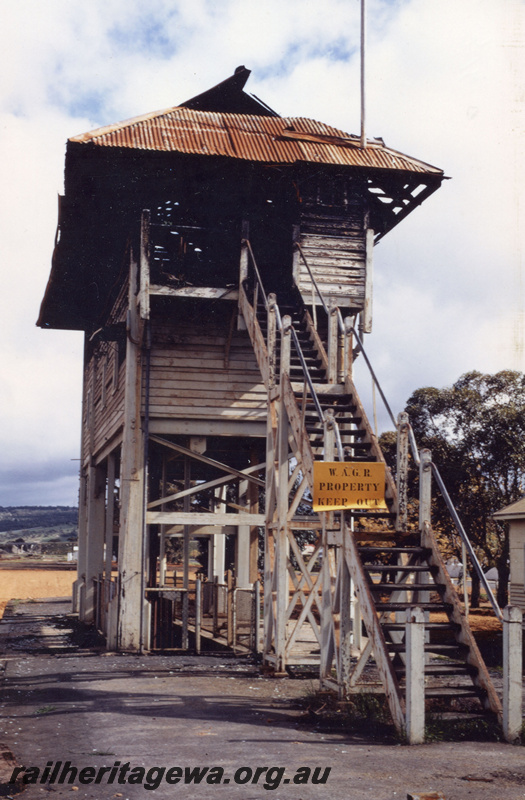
pixel 95 537
pixel 217 550
pixel 132 485
pixel 271 340
pixel 281 538
pixel 512 673
pixel 78 591
pixel 144 264
pixel 243 268
pixel 425 509
pixel 327 649
pixel 333 343
pixel 402 472
pixel 198 615
pixel 256 615
pixel 348 354
pixel 425 488
pixel 270 483
pixel 110 512
pixel 415 676
pixel 242 544
pixel 345 619
pixel 366 314
pixel 163 561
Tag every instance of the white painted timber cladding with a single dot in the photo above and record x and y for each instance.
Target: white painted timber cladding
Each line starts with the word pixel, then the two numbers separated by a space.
pixel 197 372
pixel 335 249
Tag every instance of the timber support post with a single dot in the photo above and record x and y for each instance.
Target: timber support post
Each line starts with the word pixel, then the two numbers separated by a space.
pixel 425 488
pixel 132 485
pixel 512 673
pixel 198 615
pixel 348 353
pixel 415 676
pixel 333 344
pixel 281 532
pixel 402 472
pixel 256 616
pixel 327 645
pixel 95 538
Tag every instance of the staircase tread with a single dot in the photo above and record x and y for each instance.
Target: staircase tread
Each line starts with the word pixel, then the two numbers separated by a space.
pixel 405 587
pixel 431 626
pixel 396 567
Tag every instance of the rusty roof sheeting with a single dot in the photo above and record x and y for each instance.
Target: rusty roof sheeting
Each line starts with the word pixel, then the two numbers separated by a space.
pixel 275 140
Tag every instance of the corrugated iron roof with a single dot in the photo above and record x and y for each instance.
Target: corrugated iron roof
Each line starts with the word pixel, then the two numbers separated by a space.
pixel 275 140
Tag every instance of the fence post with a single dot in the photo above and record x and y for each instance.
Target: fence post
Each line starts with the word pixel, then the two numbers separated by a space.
pixel 229 608
pixel 235 595
pixel 512 672
pixel 185 614
pixel 256 615
pixel 215 600
pixel 415 676
pixel 198 615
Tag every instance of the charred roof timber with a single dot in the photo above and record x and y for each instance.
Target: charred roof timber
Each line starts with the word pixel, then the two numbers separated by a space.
pixel 218 158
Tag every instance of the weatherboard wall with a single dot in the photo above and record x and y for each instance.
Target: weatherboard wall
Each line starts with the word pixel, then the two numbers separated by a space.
pixel 202 367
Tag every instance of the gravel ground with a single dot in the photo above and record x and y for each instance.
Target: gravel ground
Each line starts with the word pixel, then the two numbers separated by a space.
pixel 64 699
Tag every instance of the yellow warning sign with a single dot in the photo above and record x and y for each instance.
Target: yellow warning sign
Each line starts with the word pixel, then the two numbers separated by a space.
pixel 342 484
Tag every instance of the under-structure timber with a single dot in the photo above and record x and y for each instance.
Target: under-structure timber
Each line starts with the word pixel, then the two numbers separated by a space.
pixel 218 258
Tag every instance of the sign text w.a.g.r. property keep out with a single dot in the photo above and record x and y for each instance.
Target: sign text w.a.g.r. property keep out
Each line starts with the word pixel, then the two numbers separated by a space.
pixel 339 485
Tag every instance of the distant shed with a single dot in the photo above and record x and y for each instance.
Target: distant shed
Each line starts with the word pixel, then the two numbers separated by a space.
pixel 515 516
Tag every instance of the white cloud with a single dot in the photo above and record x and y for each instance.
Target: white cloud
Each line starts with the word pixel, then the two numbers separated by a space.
pixel 444 83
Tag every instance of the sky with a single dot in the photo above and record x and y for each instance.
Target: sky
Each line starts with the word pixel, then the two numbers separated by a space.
pixel 445 82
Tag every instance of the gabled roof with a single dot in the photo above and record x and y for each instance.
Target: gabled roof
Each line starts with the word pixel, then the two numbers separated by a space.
pixel 222 132
pixel 267 139
pixel 229 96
pixel 514 511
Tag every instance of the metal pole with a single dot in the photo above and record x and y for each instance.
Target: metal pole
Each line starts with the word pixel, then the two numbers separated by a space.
pixel 363 48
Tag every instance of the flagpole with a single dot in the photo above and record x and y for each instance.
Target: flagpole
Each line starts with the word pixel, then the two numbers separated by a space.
pixel 363 47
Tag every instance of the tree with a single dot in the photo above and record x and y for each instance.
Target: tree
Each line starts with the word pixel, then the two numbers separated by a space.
pixel 476 432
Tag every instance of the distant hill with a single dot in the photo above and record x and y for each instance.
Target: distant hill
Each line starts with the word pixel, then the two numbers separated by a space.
pixel 34 530
pixel 15 518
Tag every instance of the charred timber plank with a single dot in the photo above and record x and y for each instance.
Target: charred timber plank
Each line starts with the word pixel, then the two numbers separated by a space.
pixel 200 292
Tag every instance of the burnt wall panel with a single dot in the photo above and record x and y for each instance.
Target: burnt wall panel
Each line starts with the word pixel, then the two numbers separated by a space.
pixel 334 247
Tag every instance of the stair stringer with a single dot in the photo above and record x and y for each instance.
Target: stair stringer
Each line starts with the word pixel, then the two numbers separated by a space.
pixel 302 443
pixel 393 693
pixel 371 438
pixel 480 677
pixel 256 335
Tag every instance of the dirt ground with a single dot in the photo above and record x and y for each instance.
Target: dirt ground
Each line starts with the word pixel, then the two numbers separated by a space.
pixel 28 584
pixel 66 701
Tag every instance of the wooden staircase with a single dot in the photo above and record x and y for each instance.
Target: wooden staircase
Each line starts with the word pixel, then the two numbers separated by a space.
pixel 392 571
